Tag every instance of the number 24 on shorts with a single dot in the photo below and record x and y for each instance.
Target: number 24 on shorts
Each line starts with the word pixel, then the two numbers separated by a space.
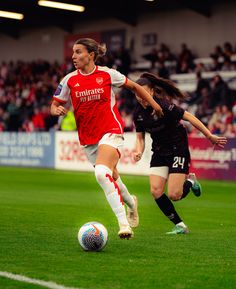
pixel 178 161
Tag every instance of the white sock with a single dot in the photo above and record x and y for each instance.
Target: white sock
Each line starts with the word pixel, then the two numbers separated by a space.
pixel 128 199
pixel 191 181
pixel 181 224
pixel 104 178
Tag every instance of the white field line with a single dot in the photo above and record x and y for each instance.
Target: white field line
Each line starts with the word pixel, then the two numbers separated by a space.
pixel 25 279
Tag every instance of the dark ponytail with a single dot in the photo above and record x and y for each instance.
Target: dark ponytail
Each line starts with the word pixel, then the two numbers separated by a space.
pixel 162 87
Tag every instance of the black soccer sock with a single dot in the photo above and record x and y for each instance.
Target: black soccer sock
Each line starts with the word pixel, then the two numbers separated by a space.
pixel 186 188
pixel 168 209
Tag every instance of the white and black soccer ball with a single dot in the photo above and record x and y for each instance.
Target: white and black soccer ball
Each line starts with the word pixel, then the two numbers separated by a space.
pixel 93 236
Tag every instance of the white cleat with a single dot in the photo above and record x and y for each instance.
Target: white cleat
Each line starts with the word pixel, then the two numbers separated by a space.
pixel 132 216
pixel 125 232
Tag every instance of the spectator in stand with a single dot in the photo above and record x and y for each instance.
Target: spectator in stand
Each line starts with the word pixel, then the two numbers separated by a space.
pixel 228 49
pixel 227 116
pixel 220 92
pixel 14 114
pixel 217 53
pixel 234 113
pixel 200 67
pixel 38 120
pixel 219 128
pixel 183 67
pixel 123 60
pixel 227 65
pixel 164 53
pixel 203 109
pixel 186 56
pixel 152 56
pixel 229 132
pixel 216 117
pixel 27 125
pixel 2 120
pixel 216 65
pixel 162 71
pixel 201 84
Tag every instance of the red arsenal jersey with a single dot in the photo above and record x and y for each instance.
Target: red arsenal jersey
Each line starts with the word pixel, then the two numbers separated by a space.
pixel 94 103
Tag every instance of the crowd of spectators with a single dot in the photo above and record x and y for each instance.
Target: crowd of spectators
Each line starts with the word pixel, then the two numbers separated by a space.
pixel 26 89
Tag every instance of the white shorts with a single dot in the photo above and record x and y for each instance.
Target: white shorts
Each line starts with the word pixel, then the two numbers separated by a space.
pixel 159 171
pixel 114 140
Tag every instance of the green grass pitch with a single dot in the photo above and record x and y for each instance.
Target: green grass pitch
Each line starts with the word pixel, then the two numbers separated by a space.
pixel 41 211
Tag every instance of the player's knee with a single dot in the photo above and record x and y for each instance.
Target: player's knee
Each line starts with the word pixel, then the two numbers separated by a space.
pixel 156 192
pixel 174 195
pixel 101 173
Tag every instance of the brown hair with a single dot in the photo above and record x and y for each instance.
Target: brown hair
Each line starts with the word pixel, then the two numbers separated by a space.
pixel 93 46
pixel 162 87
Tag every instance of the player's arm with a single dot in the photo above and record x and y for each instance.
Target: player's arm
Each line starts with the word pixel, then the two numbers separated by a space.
pixel 140 146
pixel 142 93
pixel 57 108
pixel 214 139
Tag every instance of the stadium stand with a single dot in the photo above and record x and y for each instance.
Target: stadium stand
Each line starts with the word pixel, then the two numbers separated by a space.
pixel 26 87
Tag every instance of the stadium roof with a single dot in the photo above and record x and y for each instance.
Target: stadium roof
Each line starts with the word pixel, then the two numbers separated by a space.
pixel 36 16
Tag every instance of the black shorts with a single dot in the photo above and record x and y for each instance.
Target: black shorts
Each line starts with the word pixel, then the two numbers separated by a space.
pixel 177 163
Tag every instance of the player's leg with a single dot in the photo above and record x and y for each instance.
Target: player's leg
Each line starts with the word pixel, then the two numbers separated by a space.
pixel 182 182
pixel 158 180
pixel 176 186
pixel 159 172
pixel 175 190
pixel 106 161
pixel 130 200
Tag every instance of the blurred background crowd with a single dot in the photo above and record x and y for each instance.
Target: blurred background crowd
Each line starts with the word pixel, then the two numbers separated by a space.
pixel 26 88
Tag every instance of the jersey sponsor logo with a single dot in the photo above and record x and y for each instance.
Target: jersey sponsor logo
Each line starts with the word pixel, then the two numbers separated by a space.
pixel 89 94
pixel 99 80
pixel 58 90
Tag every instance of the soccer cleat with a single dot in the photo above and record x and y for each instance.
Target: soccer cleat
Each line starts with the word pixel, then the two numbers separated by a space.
pixel 178 230
pixel 125 232
pixel 132 215
pixel 196 187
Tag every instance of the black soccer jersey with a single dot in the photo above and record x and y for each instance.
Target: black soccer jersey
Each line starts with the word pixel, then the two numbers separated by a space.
pixel 168 134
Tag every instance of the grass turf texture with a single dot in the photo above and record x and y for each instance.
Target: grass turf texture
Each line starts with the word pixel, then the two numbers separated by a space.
pixel 42 210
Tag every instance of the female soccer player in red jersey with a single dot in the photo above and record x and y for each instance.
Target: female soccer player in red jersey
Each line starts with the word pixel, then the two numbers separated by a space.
pixel 171 157
pixel 99 124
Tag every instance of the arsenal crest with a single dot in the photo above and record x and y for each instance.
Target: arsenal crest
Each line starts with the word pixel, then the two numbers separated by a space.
pixel 99 80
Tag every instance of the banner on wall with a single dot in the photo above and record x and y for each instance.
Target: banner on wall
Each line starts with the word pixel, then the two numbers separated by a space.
pixel 27 149
pixel 63 151
pixel 207 163
pixel 70 155
pixel 114 39
pixel 211 162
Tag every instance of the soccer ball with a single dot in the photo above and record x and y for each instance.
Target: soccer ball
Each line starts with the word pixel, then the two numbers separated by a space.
pixel 93 236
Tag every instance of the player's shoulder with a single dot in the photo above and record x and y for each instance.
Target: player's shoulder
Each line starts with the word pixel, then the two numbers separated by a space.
pixel 104 68
pixel 108 70
pixel 69 76
pixel 166 104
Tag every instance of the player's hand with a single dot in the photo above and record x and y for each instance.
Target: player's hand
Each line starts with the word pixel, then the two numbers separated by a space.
pixel 137 156
pixel 60 110
pixel 218 140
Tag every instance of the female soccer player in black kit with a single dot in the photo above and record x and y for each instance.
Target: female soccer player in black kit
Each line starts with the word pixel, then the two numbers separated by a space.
pixel 171 158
